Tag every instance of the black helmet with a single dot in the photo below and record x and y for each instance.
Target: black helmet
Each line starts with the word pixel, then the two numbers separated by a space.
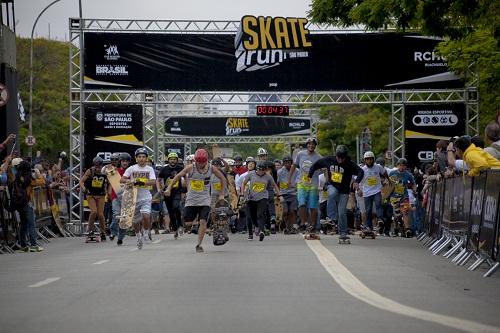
pixel 278 161
pixel 313 140
pixel 380 160
pixel 125 157
pixel 141 150
pixel 238 158
pixel 287 159
pixel 97 161
pixel 341 151
pixel 217 162
pixel 115 156
pixel 261 165
pixel 402 161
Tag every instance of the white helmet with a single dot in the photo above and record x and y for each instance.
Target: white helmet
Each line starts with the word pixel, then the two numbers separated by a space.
pixel 368 154
pixel 261 151
pixel 189 158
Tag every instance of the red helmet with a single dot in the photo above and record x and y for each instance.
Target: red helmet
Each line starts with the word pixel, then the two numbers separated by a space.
pixel 201 156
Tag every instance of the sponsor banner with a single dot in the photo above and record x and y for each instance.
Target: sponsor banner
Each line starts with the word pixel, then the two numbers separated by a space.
pixel 112 129
pixel 457 204
pixel 266 54
pixel 237 126
pixel 476 210
pixel 426 124
pixel 177 148
pixel 437 208
pixel 429 211
pixel 490 210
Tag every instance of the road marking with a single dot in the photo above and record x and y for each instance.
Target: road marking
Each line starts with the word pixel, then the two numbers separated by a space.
pixel 134 249
pixel 44 282
pixel 101 262
pixel 352 285
pixel 157 241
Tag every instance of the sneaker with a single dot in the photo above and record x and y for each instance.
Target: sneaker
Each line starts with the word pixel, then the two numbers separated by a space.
pixel 199 249
pixel 119 242
pixel 103 237
pixel 36 249
pixel 111 237
pixel 261 236
pixel 139 243
pixel 176 235
pixel 180 230
pixel 165 232
pixel 273 229
pixel 23 249
pixel 250 237
pixel 149 235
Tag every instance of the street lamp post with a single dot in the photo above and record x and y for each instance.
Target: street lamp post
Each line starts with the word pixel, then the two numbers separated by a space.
pixel 30 125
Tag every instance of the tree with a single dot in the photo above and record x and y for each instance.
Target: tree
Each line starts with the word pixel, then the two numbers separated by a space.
pixel 50 94
pixel 471 29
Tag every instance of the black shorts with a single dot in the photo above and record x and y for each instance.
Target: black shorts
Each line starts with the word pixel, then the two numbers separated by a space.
pixel 191 212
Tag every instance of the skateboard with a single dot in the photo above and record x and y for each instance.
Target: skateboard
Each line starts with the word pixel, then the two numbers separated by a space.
pixel 219 225
pixel 278 207
pixel 312 237
pixel 114 178
pixel 92 237
pixel 367 233
pixel 344 240
pixel 129 198
pixel 55 213
pixel 327 227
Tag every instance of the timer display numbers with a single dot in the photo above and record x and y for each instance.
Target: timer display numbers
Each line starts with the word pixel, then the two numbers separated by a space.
pixel 273 110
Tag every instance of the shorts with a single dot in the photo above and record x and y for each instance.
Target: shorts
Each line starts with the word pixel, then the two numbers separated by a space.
pixel 191 212
pixel 289 202
pixel 308 197
pixel 142 207
pixel 360 201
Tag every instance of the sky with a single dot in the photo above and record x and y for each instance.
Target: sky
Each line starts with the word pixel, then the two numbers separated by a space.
pixel 56 17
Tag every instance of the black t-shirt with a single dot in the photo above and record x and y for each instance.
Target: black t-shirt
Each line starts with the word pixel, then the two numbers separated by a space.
pixel 167 173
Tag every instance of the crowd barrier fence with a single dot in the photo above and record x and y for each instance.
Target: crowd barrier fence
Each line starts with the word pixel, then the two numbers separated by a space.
pixel 462 217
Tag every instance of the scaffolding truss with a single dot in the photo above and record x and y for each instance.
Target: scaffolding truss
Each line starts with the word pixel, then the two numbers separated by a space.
pixel 159 105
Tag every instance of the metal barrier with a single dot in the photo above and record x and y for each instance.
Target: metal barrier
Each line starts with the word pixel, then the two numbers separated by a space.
pixel 50 209
pixel 462 216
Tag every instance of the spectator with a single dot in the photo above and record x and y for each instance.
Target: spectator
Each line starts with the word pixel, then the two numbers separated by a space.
pixel 440 156
pixel 3 170
pixel 492 133
pixel 476 158
pixel 10 138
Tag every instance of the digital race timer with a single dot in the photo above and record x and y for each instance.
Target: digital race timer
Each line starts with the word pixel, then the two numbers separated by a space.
pixel 273 110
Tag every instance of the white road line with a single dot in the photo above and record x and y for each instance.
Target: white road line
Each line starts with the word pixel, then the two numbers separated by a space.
pixel 44 282
pixel 357 289
pixel 101 262
pixel 157 241
pixel 134 249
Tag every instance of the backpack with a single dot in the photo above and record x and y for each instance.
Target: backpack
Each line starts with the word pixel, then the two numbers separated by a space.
pixel 18 196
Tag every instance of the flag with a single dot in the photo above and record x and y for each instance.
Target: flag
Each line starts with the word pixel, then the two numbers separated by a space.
pixel 20 108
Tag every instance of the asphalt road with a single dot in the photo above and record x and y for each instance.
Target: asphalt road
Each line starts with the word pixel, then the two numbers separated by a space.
pixel 279 285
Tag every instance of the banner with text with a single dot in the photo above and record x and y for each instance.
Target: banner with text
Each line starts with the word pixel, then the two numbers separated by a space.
pixel 426 124
pixel 267 54
pixel 112 129
pixel 237 126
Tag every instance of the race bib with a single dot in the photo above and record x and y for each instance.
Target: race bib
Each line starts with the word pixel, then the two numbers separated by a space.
pixel 283 186
pixel 176 185
pixel 97 183
pixel 336 177
pixel 305 178
pixel 258 187
pixel 399 189
pixel 218 187
pixel 144 180
pixel 197 185
pixel 372 181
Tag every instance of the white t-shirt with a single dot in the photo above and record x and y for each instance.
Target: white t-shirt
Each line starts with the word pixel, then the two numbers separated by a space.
pixel 145 173
pixel 460 165
pixel 371 183
pixel 323 195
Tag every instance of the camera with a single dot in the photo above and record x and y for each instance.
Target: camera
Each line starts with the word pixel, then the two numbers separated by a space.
pixel 453 139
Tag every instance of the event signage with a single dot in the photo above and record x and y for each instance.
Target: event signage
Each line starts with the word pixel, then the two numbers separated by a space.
pixel 272 110
pixel 112 129
pixel 426 124
pixel 490 213
pixel 237 126
pixel 177 148
pixel 265 54
pixel 476 211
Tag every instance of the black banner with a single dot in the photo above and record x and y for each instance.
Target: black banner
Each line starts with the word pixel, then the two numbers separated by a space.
pixel 429 210
pixel 112 129
pixel 488 227
pixel 221 62
pixel 177 148
pixel 426 124
pixel 237 126
pixel 476 211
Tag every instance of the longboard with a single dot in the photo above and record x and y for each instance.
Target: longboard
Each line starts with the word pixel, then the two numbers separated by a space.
pixel 114 178
pixel 55 212
pixel 129 198
pixel 278 207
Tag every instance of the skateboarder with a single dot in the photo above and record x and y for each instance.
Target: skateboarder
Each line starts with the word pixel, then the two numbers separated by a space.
pixel 112 196
pixel 289 192
pixel 259 182
pixel 94 183
pixel 340 170
pixel 198 191
pixel 371 187
pixel 143 176
pixel 173 202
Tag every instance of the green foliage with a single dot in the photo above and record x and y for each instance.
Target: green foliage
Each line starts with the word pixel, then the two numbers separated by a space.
pixel 341 125
pixel 471 30
pixel 50 94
